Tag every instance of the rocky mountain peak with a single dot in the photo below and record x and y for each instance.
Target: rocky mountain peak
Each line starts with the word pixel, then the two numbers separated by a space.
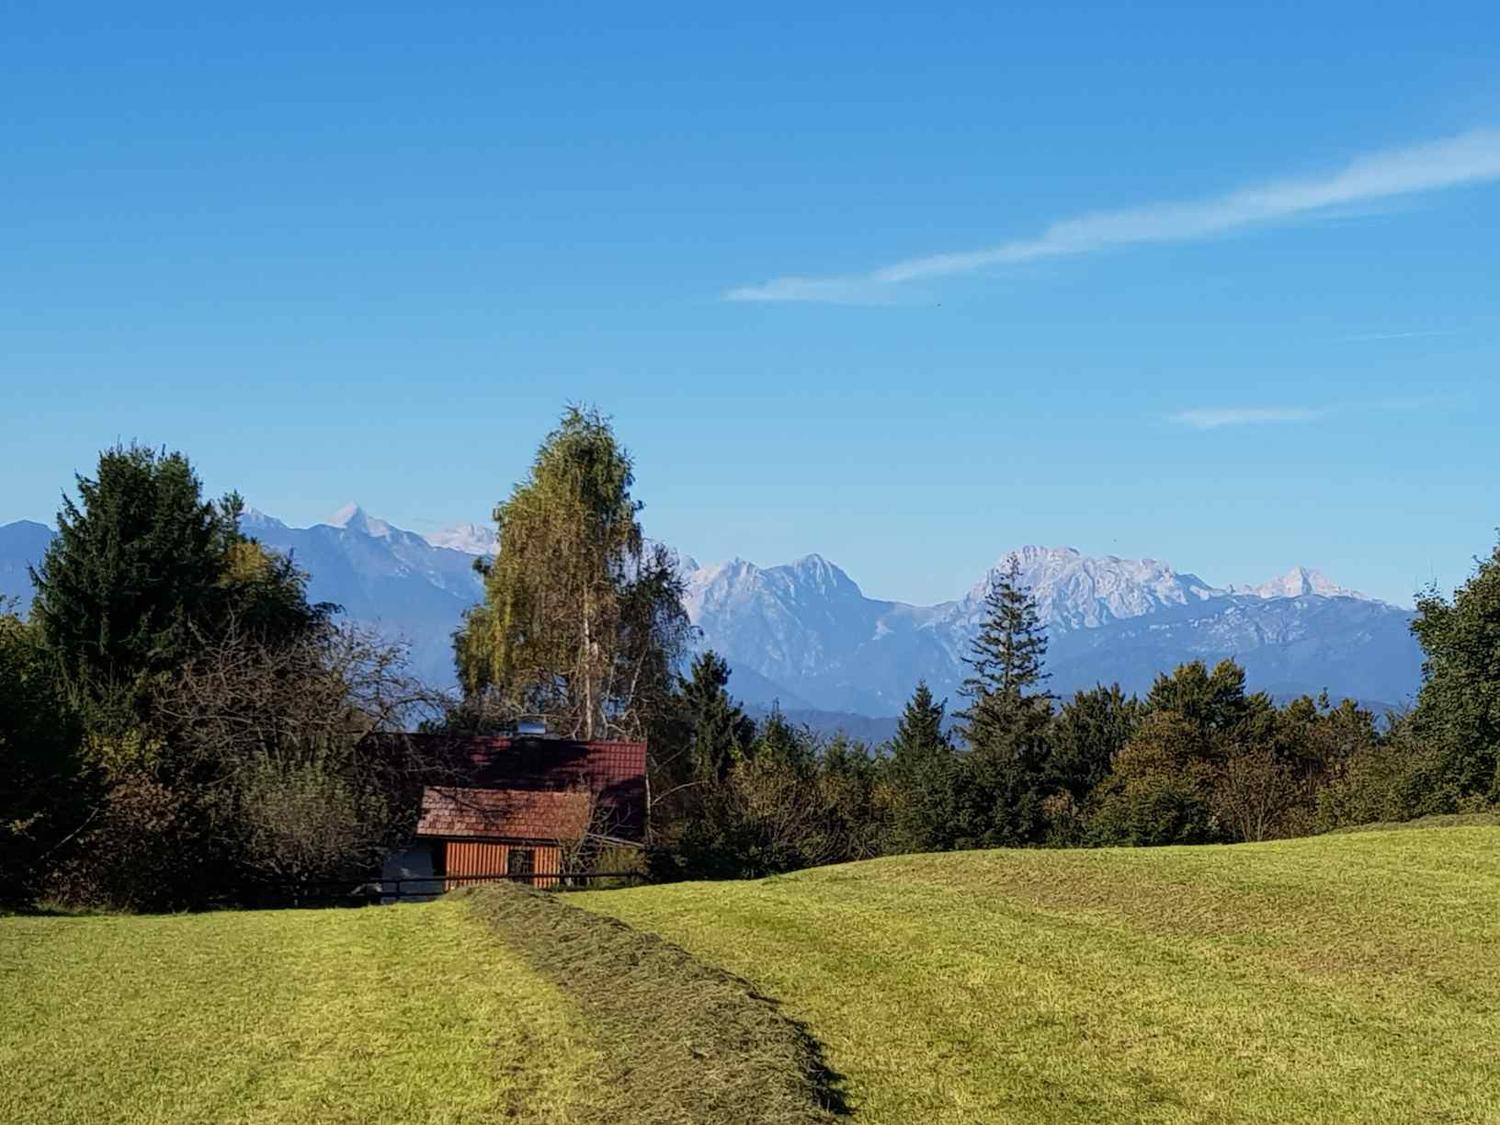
pixel 351 517
pixel 470 538
pixel 1299 582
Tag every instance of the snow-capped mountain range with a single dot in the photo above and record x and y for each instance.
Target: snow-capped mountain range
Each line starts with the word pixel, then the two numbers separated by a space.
pixel 805 635
pixel 470 538
pixel 806 628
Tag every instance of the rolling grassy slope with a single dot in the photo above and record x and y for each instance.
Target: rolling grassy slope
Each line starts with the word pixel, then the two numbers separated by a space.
pixel 1340 978
pixel 410 1014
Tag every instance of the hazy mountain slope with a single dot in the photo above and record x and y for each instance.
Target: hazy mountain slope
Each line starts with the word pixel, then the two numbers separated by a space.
pixel 22 544
pixel 1355 648
pixel 384 577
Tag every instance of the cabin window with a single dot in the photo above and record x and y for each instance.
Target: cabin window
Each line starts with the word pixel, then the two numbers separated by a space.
pixel 522 861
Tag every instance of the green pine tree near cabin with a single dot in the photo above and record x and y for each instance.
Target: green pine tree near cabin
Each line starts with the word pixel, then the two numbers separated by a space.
pixel 720 730
pixel 144 572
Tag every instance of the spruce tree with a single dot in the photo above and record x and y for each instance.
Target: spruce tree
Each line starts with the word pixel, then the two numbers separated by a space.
pixel 1089 731
pixel 144 573
pixel 780 741
pixel 42 791
pixel 920 731
pixel 1458 709
pixel 1003 780
pixel 921 772
pixel 720 730
pixel 1004 685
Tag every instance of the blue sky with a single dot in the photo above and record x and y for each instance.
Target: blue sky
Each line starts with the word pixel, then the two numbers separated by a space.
pixel 1225 294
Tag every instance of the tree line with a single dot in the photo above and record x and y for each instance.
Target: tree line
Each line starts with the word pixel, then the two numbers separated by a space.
pixel 1199 759
pixel 179 723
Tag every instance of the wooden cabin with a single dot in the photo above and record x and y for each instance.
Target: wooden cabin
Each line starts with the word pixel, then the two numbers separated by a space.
pixel 523 807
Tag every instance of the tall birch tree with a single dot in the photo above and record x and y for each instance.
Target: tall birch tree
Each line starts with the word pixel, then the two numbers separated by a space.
pixel 582 622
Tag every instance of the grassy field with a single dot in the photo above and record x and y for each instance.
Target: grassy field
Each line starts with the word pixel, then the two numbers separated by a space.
pixel 410 1014
pixel 1341 978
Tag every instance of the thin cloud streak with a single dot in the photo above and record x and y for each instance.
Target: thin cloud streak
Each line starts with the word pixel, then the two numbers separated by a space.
pixel 1468 158
pixel 1372 337
pixel 1211 418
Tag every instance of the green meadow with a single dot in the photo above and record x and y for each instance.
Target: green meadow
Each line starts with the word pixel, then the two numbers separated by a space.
pixel 411 1014
pixel 1338 978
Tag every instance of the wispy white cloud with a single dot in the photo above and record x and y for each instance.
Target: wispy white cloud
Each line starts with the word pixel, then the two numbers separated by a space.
pixel 1468 158
pixel 1211 418
pixel 1371 337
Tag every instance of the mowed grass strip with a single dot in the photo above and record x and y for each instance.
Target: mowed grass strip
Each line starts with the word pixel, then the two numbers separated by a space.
pixel 402 1014
pixel 690 1043
pixel 1351 978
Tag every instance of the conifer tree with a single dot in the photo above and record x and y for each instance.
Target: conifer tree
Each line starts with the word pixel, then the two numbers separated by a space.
pixel 781 742
pixel 1089 731
pixel 1002 783
pixel 144 573
pixel 1004 685
pixel 1458 709
pixel 922 772
pixel 720 730
pixel 920 732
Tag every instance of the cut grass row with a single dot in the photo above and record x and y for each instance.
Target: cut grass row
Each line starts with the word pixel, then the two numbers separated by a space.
pixel 1343 978
pixel 693 1045
pixel 499 1004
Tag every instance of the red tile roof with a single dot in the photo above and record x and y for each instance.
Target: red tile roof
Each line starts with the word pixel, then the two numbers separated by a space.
pixel 505 814
pixel 614 772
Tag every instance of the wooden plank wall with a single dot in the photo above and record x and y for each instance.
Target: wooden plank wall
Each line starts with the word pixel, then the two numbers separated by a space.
pixel 469 857
pixel 465 857
pixel 546 861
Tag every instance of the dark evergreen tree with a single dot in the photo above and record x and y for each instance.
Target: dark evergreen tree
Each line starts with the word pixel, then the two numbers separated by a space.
pixel 145 586
pixel 1213 701
pixel 1004 686
pixel 922 770
pixel 1003 784
pixel 780 741
pixel 134 571
pixel 858 817
pixel 42 795
pixel 1203 763
pixel 1089 730
pixel 920 732
pixel 143 574
pixel 720 730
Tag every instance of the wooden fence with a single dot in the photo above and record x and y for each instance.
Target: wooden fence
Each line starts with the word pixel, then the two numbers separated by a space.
pixel 419 888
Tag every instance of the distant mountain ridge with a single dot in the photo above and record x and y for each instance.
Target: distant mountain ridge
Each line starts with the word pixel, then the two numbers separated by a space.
pixel 807 626
pixel 393 580
pixel 804 635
